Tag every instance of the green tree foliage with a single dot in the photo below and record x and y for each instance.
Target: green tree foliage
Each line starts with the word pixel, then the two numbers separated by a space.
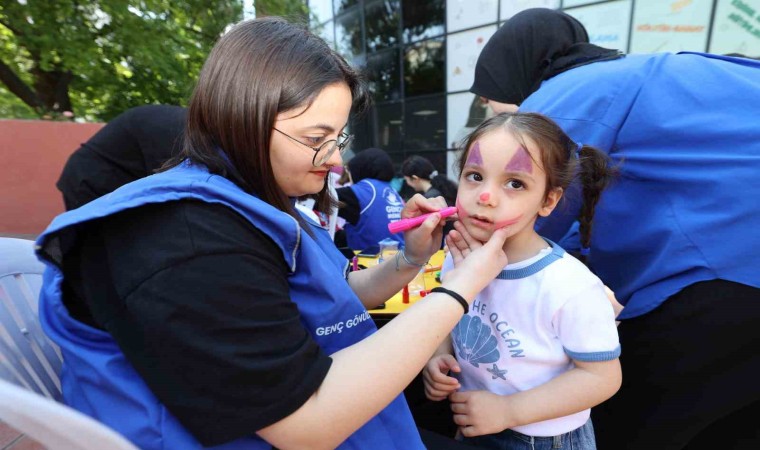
pixel 97 58
pixel 293 10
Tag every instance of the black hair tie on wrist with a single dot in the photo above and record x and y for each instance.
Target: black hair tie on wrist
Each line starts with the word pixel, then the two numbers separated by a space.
pixel 453 295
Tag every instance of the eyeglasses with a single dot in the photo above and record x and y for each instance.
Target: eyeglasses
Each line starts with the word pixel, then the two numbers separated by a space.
pixel 323 153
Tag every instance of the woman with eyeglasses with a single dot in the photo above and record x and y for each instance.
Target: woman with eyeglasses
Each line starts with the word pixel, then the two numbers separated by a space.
pixel 196 308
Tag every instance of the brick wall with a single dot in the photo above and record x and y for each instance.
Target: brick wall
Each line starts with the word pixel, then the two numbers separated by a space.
pixel 32 155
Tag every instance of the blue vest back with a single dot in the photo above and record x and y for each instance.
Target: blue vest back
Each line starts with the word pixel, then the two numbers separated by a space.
pixel 99 381
pixel 380 205
pixel 683 208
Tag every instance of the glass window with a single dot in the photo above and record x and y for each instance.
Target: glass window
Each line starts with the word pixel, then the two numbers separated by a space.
pixel 348 35
pixel 425 123
pixel 381 22
pixel 424 70
pixel 327 32
pixel 389 126
pixel 342 5
pixel 398 159
pixel 362 128
pixel 384 73
pixel 423 19
pixel 320 10
pixel 437 158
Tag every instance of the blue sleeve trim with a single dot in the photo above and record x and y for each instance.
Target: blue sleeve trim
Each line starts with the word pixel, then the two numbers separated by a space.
pixel 594 356
pixel 515 274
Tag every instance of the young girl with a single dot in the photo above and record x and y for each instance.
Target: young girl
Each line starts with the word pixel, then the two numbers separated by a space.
pixel 420 174
pixel 539 346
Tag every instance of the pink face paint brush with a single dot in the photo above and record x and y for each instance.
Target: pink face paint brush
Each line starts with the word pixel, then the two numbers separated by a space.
pixel 408 224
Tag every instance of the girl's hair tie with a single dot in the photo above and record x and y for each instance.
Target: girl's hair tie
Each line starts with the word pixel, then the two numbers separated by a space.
pixel 578 148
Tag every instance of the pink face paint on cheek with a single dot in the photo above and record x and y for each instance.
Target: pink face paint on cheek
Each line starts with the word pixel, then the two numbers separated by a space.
pixel 520 162
pixel 475 158
pixel 461 213
pixel 485 196
pixel 504 223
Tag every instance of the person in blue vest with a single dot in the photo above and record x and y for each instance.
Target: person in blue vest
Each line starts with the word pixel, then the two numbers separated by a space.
pixel 196 308
pixel 675 236
pixel 369 204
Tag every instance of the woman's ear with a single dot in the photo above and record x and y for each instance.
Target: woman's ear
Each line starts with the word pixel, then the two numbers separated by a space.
pixel 550 202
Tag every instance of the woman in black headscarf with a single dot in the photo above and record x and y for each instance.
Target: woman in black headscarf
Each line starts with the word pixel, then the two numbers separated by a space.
pixel 370 203
pixel 669 232
pixel 533 46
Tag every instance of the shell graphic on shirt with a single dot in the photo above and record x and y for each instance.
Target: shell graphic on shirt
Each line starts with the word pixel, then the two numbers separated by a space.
pixel 474 342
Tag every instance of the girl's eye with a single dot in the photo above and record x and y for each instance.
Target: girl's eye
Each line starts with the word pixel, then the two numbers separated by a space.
pixel 515 184
pixel 473 176
pixel 314 140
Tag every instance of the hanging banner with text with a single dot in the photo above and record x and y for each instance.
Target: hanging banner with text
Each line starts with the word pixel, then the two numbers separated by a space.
pixel 736 28
pixel 606 23
pixel 670 26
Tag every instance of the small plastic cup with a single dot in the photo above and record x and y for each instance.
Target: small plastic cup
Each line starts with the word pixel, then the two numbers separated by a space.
pixel 388 249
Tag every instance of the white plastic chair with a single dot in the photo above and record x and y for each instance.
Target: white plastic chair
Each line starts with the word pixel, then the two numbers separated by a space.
pixel 30 363
pixel 53 424
pixel 27 357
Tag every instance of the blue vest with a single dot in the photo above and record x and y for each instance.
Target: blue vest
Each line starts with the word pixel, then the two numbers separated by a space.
pixel 379 205
pixel 99 381
pixel 684 130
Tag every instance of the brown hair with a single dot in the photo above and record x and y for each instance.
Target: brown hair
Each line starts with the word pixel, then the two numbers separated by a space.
pixel 258 69
pixel 561 159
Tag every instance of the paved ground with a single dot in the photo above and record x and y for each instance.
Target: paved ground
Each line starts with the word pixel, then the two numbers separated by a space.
pixel 10 439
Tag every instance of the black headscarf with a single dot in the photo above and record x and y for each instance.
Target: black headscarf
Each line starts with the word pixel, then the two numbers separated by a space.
pixel 532 46
pixel 371 163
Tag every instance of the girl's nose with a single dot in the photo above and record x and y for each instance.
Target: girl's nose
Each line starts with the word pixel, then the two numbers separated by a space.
pixel 485 198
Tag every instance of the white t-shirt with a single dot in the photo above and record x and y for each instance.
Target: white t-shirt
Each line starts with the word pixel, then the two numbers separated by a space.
pixel 526 325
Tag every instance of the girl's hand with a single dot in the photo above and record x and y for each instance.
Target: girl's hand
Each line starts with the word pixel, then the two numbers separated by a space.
pixel 480 412
pixel 461 242
pixel 475 263
pixel 422 242
pixel 438 385
pixel 617 307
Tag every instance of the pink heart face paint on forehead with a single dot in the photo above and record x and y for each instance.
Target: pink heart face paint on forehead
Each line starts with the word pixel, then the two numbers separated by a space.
pixel 475 158
pixel 520 162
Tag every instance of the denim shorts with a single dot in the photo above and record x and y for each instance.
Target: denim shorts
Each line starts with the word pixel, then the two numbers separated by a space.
pixel 579 439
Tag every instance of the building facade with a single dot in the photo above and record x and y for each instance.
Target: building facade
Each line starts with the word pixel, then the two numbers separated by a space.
pixel 419 55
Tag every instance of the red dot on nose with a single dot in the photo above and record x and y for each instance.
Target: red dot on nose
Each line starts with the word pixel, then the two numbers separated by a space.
pixel 485 196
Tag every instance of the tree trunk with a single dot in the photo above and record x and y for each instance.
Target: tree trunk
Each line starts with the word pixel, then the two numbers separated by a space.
pixel 52 88
pixel 17 86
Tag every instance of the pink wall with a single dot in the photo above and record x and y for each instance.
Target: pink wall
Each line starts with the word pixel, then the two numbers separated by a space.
pixel 32 155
